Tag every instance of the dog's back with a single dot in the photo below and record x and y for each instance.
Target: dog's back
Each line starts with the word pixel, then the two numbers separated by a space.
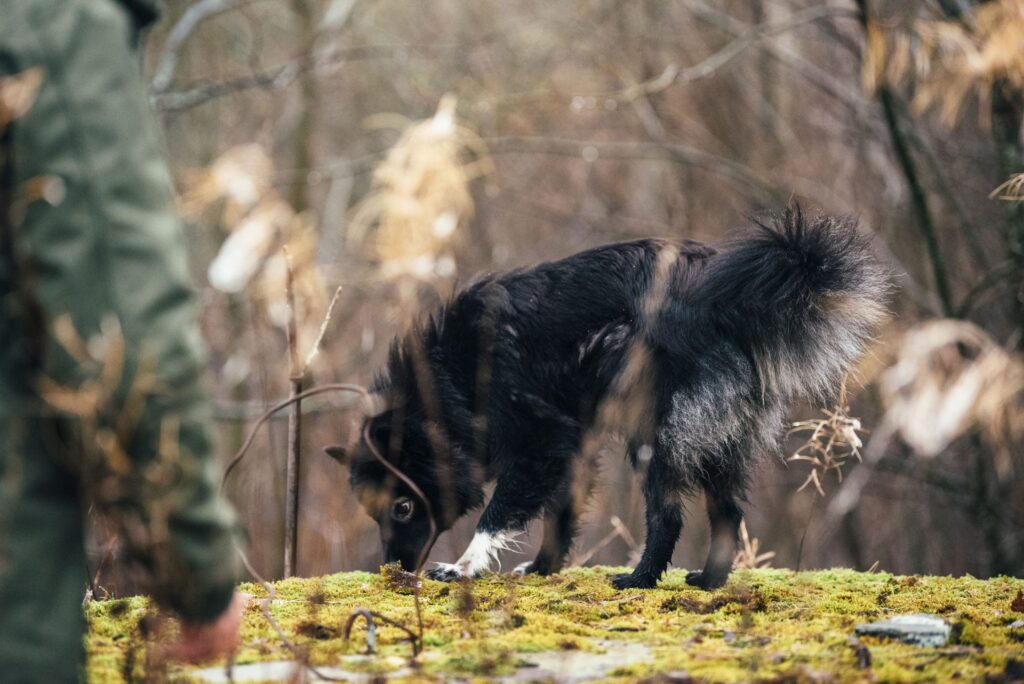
pixel 566 327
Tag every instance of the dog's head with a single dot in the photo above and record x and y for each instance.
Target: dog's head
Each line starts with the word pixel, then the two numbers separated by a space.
pixel 400 433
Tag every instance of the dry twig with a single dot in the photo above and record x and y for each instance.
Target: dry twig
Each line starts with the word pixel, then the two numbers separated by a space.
pixel 832 442
pixel 750 555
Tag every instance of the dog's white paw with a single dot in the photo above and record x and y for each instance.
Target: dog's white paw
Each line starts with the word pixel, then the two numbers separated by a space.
pixel 522 568
pixel 446 572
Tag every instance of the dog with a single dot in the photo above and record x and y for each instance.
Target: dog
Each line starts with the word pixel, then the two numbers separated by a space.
pixel 691 353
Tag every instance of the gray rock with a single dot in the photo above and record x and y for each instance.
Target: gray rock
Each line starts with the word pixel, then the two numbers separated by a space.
pixel 1017 624
pixel 920 629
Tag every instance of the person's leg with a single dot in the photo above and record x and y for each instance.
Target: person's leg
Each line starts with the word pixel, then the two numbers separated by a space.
pixel 42 558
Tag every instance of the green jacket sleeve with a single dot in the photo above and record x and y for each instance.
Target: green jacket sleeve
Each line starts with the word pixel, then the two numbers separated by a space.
pixel 97 241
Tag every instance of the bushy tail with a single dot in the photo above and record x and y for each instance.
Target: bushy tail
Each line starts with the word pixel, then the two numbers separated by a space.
pixel 803 294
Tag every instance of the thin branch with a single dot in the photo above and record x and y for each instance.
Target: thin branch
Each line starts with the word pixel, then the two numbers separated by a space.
pixel 300 656
pixel 824 80
pixel 190 20
pixel 946 191
pixel 283 404
pixel 240 454
pixel 371 629
pixel 992 277
pixel 755 33
pixel 253 409
pixel 314 350
pixel 709 66
pixel 274 78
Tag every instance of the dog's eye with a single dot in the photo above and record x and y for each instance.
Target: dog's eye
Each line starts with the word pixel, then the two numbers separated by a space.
pixel 401 510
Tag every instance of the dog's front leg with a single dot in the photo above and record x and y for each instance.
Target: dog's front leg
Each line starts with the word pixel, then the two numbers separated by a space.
pixel 664 523
pixel 509 510
pixel 480 556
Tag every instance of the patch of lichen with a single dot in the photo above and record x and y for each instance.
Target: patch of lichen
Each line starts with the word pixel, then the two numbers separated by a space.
pixel 763 624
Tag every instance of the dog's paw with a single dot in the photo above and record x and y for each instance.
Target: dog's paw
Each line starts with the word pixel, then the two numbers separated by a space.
pixel 632 580
pixel 524 569
pixel 445 572
pixel 533 567
pixel 702 580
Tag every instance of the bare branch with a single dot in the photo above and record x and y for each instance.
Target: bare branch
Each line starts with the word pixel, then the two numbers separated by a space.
pixel 294 455
pixel 594 150
pixel 820 78
pixel 753 34
pixel 193 17
pixel 278 77
pixel 315 347
pixel 746 36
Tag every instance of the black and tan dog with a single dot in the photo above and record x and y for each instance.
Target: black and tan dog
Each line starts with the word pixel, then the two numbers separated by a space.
pixel 691 353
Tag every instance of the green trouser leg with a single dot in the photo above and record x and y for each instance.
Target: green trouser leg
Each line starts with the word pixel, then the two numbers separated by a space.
pixel 42 562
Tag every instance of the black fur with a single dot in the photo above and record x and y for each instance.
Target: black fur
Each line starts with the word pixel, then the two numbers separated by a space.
pixel 691 353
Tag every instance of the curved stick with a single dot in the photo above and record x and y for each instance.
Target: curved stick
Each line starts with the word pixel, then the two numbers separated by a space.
pixel 268 414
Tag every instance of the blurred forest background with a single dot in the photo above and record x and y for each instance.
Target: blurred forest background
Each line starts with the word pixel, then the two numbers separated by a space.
pixel 399 148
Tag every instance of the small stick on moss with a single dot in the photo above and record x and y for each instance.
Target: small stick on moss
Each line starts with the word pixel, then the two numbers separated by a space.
pixel 371 629
pixel 300 655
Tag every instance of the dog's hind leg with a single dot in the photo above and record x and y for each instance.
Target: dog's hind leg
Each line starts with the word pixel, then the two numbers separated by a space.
pixel 725 516
pixel 664 502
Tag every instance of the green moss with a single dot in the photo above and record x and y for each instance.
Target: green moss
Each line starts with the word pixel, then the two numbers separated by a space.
pixel 764 624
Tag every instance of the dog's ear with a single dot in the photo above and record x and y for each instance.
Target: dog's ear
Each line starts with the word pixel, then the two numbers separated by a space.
pixel 339 453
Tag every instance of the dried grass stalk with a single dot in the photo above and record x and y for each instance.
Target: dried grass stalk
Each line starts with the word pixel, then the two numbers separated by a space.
pixel 948 61
pixel 1010 191
pixel 420 196
pixel 750 556
pixel 950 377
pixel 832 442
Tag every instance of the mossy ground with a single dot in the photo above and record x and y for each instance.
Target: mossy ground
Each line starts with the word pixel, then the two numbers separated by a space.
pixel 763 625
